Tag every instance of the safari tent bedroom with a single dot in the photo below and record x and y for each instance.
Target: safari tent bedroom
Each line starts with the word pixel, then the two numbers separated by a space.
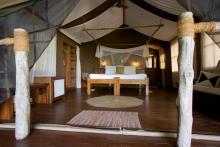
pixel 109 73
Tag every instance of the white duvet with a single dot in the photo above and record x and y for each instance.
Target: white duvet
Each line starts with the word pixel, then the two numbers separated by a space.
pixel 121 76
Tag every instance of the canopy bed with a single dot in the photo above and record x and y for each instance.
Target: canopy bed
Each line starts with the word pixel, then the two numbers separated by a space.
pixel 117 80
pixel 120 71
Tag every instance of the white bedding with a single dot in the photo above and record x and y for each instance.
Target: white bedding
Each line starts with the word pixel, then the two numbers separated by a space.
pixel 121 76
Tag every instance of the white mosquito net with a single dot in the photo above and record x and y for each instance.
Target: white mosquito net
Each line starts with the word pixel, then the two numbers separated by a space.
pixel 115 56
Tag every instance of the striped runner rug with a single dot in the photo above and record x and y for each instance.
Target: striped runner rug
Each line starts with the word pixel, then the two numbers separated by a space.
pixel 106 119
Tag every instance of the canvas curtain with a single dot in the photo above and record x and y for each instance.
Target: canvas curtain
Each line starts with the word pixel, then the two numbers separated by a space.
pixel 78 68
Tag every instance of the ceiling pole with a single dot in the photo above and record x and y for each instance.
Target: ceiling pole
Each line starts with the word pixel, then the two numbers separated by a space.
pixel 89 33
pixel 155 31
pixel 148 41
pixel 126 44
pixel 185 32
pixel 91 36
pixel 97 45
pixel 129 27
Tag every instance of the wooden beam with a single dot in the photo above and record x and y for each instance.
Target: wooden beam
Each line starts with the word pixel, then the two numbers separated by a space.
pixel 7 41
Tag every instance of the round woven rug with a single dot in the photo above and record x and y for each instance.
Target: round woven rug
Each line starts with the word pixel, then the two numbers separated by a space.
pixel 111 101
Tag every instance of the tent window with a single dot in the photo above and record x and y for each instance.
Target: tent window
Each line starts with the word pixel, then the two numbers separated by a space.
pixel 162 61
pixel 174 63
pixel 174 55
pixel 150 65
pixel 210 53
pixel 152 62
pixel 155 62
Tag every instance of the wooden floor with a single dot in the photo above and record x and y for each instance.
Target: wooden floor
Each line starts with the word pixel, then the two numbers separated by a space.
pixel 158 112
pixel 39 138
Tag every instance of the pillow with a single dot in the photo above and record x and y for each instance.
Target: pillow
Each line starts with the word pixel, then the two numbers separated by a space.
pixel 208 79
pixel 140 71
pixel 110 70
pixel 129 70
pixel 120 70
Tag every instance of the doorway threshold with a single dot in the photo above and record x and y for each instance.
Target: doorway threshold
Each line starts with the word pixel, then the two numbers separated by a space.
pixel 68 128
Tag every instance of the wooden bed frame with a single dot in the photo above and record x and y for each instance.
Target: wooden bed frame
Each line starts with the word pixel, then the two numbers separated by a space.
pixel 117 82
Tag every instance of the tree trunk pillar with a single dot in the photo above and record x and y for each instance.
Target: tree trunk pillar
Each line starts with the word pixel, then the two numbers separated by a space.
pixel 186 74
pixel 22 94
pixel 186 30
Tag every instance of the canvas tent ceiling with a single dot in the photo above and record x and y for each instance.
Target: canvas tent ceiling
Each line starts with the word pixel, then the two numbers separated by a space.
pixel 110 18
pixel 113 17
pixel 170 6
pixel 136 13
pixel 137 16
pixel 82 8
pixel 152 11
pixel 8 3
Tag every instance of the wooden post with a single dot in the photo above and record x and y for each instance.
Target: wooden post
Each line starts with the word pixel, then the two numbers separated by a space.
pixel 139 88
pixel 88 86
pixel 147 86
pixel 22 95
pixel 117 86
pixel 186 30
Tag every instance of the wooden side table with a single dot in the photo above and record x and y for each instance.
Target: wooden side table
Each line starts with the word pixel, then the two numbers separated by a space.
pixel 7 109
pixel 55 89
pixel 38 92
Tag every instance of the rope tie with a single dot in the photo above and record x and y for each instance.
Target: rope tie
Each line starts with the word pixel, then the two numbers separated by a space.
pixel 21 41
pixel 185 27
pixel 205 27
